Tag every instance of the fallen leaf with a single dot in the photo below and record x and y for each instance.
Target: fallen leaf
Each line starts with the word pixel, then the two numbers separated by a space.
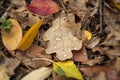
pixel 59 77
pixel 117 64
pixel 11 65
pixel 18 2
pixel 68 69
pixel 3 74
pixel 110 72
pixel 100 76
pixel 78 5
pixel 29 36
pixel 93 42
pixel 91 71
pixel 34 52
pixel 65 1
pixel 38 74
pixel 92 62
pixel 24 16
pixel 116 3
pixel 12 39
pixel 88 34
pixel 43 7
pixel 80 55
pixel 61 39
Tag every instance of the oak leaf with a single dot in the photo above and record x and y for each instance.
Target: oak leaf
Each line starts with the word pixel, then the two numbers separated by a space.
pixel 61 39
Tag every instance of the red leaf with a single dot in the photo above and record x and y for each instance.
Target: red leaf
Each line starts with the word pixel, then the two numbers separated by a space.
pixel 43 7
pixel 80 55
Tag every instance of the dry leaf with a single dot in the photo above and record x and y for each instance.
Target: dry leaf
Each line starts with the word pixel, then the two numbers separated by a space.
pixel 61 39
pixel 110 72
pixel 93 42
pixel 68 69
pixel 12 39
pixel 18 2
pixel 29 36
pixel 24 16
pixel 34 52
pixel 38 74
pixel 43 7
pixel 100 76
pixel 3 74
pixel 92 62
pixel 12 63
pixel 80 55
pixel 117 64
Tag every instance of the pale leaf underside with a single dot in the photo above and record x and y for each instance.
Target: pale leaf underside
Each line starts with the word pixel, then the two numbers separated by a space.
pixel 61 39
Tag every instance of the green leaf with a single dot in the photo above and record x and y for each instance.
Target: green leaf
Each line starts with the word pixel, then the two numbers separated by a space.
pixel 68 69
pixel 5 24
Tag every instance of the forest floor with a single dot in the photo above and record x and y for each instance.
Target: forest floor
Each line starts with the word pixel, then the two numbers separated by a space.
pixel 60 40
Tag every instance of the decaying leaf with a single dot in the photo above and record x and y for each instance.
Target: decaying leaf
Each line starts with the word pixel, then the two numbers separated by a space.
pixel 38 74
pixel 29 36
pixel 110 72
pixel 80 55
pixel 3 74
pixel 36 51
pixel 12 39
pixel 23 16
pixel 68 69
pixel 18 2
pixel 12 63
pixel 61 39
pixel 43 7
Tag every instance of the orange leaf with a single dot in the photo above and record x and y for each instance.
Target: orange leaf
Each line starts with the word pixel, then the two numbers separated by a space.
pixel 29 36
pixel 43 7
pixel 12 39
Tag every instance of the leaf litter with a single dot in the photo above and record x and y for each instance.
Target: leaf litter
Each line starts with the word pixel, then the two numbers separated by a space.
pixel 70 36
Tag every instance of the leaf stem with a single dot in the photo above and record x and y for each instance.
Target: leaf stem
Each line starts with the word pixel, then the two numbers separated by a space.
pixel 36 59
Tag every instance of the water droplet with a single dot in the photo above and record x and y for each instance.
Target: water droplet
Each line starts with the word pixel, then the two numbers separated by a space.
pixel 65 55
pixel 55 47
pixel 58 39
pixel 66 38
pixel 59 44
pixel 62 49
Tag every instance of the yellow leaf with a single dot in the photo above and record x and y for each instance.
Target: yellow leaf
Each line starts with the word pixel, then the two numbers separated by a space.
pixel 116 4
pixel 88 34
pixel 67 68
pixel 12 39
pixel 65 1
pixel 29 36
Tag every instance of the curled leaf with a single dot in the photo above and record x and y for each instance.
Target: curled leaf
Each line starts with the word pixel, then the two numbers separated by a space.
pixel 43 7
pixel 12 39
pixel 29 36
pixel 38 74
pixel 68 69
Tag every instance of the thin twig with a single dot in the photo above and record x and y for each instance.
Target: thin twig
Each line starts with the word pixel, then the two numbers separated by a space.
pixel 36 59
